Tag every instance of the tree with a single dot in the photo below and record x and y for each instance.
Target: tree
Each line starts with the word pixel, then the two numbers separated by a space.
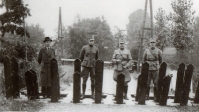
pixel 134 31
pixel 36 36
pixel 78 37
pixel 161 29
pixel 182 21
pixel 12 20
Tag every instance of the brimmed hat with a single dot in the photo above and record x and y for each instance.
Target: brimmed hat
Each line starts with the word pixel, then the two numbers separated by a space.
pixel 92 37
pixel 121 40
pixel 152 40
pixel 47 39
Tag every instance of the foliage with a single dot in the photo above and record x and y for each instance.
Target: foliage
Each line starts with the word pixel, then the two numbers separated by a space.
pixel 12 20
pixel 182 21
pixel 79 33
pixel 134 31
pixel 161 29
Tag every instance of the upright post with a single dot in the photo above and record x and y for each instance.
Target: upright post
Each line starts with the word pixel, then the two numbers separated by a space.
pixel 179 83
pixel 165 90
pixel 77 81
pixel 186 85
pixel 15 75
pixel 143 83
pixel 196 99
pixel 162 74
pixel 98 80
pixel 54 81
pixel 120 89
pixel 8 78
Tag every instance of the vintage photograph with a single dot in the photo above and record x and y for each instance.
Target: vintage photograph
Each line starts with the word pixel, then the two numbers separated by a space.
pixel 99 55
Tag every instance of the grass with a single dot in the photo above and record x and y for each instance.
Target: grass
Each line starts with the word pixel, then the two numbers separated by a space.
pixel 14 105
pixel 66 76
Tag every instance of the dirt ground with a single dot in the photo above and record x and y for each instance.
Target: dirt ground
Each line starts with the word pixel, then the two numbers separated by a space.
pixel 109 105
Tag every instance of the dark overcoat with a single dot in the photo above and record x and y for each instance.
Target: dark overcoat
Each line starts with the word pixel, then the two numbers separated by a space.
pixel 44 59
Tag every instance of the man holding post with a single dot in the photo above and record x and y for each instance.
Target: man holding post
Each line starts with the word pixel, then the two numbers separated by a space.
pixel 153 56
pixel 122 61
pixel 46 54
pixel 88 55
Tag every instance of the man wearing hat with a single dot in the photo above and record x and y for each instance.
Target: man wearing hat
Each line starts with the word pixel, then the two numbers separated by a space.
pixel 45 55
pixel 88 55
pixel 153 56
pixel 122 60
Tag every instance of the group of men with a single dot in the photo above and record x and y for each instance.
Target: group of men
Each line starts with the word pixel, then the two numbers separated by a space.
pixel 122 61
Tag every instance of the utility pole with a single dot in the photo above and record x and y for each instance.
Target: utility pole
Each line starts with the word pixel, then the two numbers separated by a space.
pixel 60 37
pixel 143 28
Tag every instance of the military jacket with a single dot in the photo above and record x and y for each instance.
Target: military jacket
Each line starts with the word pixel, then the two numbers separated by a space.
pixel 153 57
pixel 89 55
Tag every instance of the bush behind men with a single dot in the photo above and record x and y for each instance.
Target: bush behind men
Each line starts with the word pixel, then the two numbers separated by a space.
pixel 153 56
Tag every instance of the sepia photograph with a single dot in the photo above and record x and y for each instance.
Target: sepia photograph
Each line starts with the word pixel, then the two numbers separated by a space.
pixel 99 55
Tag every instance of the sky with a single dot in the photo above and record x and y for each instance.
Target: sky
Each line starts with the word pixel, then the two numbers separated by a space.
pixel 116 12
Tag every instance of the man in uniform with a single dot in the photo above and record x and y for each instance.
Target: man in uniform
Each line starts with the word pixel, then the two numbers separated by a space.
pixel 45 55
pixel 88 56
pixel 153 56
pixel 122 60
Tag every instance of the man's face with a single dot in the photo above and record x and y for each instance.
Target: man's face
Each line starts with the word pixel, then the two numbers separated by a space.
pixel 152 44
pixel 47 43
pixel 121 45
pixel 91 42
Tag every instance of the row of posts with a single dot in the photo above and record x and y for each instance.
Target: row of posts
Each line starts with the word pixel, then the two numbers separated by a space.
pixel 181 94
pixel 183 84
pixel 11 73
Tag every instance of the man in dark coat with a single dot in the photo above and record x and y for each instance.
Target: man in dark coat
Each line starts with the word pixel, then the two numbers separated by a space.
pixel 45 55
pixel 88 56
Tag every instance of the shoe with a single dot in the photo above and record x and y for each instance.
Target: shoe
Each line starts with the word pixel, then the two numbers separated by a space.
pixel 125 97
pixel 93 96
pixel 82 97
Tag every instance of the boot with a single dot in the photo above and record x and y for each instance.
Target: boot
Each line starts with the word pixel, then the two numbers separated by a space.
pixel 155 94
pixel 43 90
pixel 147 93
pixel 83 90
pixel 92 91
pixel 116 94
pixel 48 92
pixel 125 92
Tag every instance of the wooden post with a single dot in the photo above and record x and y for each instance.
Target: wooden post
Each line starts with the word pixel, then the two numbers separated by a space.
pixel 165 90
pixel 54 81
pixel 138 88
pixel 8 78
pixel 76 87
pixel 162 74
pixel 77 81
pixel 98 80
pixel 29 84
pixel 143 83
pixel 186 85
pixel 77 65
pixel 120 89
pixel 179 83
pixel 15 76
pixel 196 99
pixel 35 84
